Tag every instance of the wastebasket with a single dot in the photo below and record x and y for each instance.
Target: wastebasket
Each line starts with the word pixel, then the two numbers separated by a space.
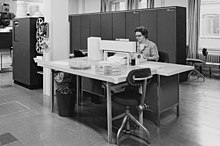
pixel 66 100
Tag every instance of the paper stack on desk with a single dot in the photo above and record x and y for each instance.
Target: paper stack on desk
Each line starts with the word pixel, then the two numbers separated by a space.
pixel 118 58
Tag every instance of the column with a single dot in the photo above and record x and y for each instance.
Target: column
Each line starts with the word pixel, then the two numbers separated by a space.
pixel 21 9
pixel 56 14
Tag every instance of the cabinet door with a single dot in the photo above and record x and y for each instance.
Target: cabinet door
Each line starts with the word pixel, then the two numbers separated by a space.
pixel 132 21
pixel 84 31
pixel 74 33
pixel 21 51
pixel 95 25
pixel 118 25
pixel 148 19
pixel 181 35
pixel 106 26
pixel 166 32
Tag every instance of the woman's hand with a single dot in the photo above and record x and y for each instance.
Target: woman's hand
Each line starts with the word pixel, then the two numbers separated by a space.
pixel 142 58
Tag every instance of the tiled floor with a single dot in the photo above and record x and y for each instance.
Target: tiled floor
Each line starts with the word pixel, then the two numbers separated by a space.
pixel 25 115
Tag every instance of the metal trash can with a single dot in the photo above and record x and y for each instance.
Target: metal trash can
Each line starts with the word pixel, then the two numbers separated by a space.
pixel 66 99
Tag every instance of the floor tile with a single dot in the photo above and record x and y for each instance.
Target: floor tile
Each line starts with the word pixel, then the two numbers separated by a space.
pixel 12 107
pixel 7 138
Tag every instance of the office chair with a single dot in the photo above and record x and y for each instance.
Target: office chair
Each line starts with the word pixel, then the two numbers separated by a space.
pixel 131 97
pixel 163 57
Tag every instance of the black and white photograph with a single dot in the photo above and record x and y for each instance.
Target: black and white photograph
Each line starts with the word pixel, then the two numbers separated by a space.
pixel 109 72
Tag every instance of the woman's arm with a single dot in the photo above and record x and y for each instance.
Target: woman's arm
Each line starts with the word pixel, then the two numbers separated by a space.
pixel 154 52
pixel 153 56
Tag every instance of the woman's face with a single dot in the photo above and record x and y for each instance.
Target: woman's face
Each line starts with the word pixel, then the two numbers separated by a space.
pixel 140 38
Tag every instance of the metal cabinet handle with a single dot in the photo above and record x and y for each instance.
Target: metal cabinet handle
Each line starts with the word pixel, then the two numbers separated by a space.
pixel 170 10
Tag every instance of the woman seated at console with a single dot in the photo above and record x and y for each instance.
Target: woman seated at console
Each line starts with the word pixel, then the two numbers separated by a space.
pixel 146 48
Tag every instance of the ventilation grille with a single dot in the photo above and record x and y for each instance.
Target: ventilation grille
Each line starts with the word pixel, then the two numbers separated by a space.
pixel 210 58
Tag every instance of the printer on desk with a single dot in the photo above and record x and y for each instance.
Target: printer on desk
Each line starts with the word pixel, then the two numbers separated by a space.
pixel 99 49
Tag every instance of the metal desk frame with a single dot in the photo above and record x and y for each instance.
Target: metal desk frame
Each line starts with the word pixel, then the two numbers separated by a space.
pixel 167 70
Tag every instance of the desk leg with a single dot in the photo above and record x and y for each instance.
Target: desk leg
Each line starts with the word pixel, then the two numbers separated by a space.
pixel 177 107
pixel 52 90
pixel 158 101
pixel 1 62
pixel 78 90
pixel 109 112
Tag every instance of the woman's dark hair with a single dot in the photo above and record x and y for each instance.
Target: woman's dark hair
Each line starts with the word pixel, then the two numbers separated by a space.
pixel 143 30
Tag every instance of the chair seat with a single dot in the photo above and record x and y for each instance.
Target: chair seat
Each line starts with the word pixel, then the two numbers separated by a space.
pixel 127 98
pixel 193 60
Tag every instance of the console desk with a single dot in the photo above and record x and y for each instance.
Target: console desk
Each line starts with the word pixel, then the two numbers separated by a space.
pixel 166 77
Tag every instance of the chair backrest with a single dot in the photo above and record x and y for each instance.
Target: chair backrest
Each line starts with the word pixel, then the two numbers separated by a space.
pixel 139 77
pixel 204 52
pixel 136 77
pixel 163 57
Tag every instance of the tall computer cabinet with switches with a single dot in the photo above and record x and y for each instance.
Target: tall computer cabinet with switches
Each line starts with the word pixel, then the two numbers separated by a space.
pixel 24 42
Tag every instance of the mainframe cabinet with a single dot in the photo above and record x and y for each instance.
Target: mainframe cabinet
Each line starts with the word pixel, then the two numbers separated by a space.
pixel 25 70
pixel 75 33
pixel 84 31
pixel 119 29
pixel 148 18
pixel 132 21
pixel 106 26
pixel 171 33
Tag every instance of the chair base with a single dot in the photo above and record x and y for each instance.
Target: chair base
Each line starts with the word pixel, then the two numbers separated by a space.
pixel 126 122
pixel 136 137
pixel 197 73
